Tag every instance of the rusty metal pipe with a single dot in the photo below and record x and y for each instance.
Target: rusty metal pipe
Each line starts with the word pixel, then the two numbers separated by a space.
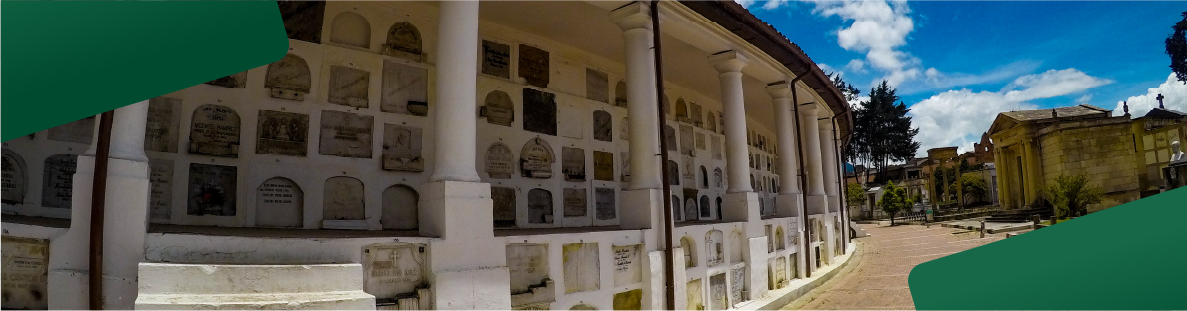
pixel 799 147
pixel 669 273
pixel 98 204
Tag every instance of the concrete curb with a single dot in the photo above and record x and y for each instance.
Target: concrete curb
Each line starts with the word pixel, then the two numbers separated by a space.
pixel 777 299
pixel 990 231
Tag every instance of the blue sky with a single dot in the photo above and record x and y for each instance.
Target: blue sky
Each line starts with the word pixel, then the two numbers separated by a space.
pixel 959 63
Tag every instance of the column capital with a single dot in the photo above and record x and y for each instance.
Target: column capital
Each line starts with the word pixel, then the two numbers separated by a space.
pixel 633 16
pixel 808 110
pixel 826 124
pixel 728 61
pixel 779 90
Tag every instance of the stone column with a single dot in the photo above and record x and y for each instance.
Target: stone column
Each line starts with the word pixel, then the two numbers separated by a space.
pixel 740 202
pixel 1029 172
pixel 790 195
pixel 815 195
pixel 456 118
pixel 1003 193
pixel 125 220
pixel 828 154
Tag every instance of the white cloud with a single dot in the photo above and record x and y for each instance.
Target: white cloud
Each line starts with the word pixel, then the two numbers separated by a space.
pixel 856 65
pixel 1084 100
pixel 1174 95
pixel 1051 83
pixel 879 29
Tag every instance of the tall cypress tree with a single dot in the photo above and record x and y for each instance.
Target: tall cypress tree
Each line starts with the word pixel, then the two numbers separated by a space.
pixel 883 131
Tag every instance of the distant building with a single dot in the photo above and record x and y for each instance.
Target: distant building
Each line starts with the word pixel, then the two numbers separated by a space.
pixel 1153 135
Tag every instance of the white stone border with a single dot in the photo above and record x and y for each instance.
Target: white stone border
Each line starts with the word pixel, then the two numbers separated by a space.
pixel 776 299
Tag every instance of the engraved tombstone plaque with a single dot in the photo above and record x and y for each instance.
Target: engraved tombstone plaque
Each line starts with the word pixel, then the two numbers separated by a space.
pixel 695 115
pixel 400 208
pixel 235 81
pixel 690 174
pixel 629 300
pixel 405 89
pixel 535 159
pixel 392 270
pixel 348 86
pixel 164 119
pixel 737 283
pixel 715 145
pixel 499 161
pixel 574 199
pixel 57 185
pixel 628 268
pixel 596 86
pixel 539 206
pixel 533 65
pixel 695 295
pixel 581 267
pixel 539 111
pixel 344 199
pixel 403 41
pixel 496 59
pixel 604 203
pixel 717 292
pixel 504 205
pixel 573 163
pixel 603 127
pixel 701 141
pixel 620 94
pixel 625 172
pixel 345 134
pixel 160 200
pixel 781 272
pixel 288 78
pixel 303 19
pixel 402 148
pixel 498 108
pixel 214 130
pixel 670 137
pixel 15 175
pixel 211 190
pixel 279 204
pixel 80 131
pixel 687 144
pixel 282 133
pixel 572 121
pixel 603 165
pixel 25 273
pixel 527 265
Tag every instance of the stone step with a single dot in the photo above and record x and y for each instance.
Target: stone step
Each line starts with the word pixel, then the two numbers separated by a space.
pixel 162 278
pixel 348 300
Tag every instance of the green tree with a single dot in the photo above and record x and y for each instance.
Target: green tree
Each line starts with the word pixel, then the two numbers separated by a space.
pixel 894 199
pixel 1071 195
pixel 882 130
pixel 972 186
pixel 851 93
pixel 1176 47
pixel 855 194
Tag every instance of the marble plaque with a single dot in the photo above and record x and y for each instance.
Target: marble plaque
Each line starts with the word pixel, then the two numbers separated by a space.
pixel 628 267
pixel 533 65
pixel 212 190
pixel 673 173
pixel 717 292
pixel 402 148
pixel 603 126
pixel 620 94
pixel 161 129
pixel 780 272
pixel 346 134
pixel 282 133
pixel 695 295
pixel 400 208
pixel 160 199
pixel 499 161
pixel 498 108
pixel 527 265
pixel 348 86
pixel 625 171
pixel 234 81
pixel 670 137
pixel 624 132
pixel 539 206
pixel 80 131
pixel 737 283
pixel 214 130
pixel 504 204
pixel 711 122
pixel 280 204
pixel 535 159
pixel 57 185
pixel 603 165
pixel 571 122
pixel 604 203
pixel 288 78
pixel 690 173
pixel 539 111
pixel 303 19
pixel 16 176
pixel 343 199
pixel 582 271
pixel 496 59
pixel 687 143
pixel 701 141
pixel 629 300
pixel 405 89
pixel 575 202
pixel 715 145
pixel 597 86
pixel 573 163
pixel 25 273
pixel 695 115
pixel 391 270
pixel 404 41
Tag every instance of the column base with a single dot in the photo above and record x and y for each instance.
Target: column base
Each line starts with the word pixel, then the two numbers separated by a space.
pixel 644 209
pixel 789 205
pixel 741 206
pixel 817 204
pixel 655 299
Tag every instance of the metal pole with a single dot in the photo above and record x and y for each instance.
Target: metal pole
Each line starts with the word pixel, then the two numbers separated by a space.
pixel 669 273
pixel 98 204
pixel 799 146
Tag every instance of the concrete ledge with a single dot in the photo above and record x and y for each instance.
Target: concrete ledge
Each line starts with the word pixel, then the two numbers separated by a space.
pixel 348 300
pixel 776 299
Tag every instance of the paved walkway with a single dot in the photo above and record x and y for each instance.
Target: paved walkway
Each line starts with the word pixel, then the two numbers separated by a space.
pixel 878 281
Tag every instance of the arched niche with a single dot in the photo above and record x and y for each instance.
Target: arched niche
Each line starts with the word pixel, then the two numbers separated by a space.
pixel 498 108
pixel 539 206
pixel 705 212
pixel 737 240
pixel 719 217
pixel 681 110
pixel 714 248
pixel 704 177
pixel 350 28
pixel 400 208
pixel 288 78
pixel 780 239
pixel 690 208
pixel 404 41
pixel 536 158
pixel 670 137
pixel 620 94
pixel 690 251
pixel 673 173
pixel 344 199
pixel 16 175
pixel 280 203
pixel 676 208
pixel 717 177
pixel 603 126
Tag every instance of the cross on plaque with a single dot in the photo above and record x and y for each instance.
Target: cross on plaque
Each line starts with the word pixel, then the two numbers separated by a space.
pixel 1159 98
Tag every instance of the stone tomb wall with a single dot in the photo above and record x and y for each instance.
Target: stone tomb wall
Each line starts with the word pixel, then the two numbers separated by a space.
pixel 39 169
pixel 1103 152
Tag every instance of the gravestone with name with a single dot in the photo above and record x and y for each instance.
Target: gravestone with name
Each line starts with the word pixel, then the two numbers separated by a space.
pixel 282 133
pixel 348 86
pixel 539 111
pixel 234 81
pixel 345 134
pixel 737 283
pixel 695 295
pixel 496 59
pixel 57 185
pixel 571 121
pixel 504 205
pixel 533 65
pixel 620 94
pixel 164 119
pixel 498 108
pixel 695 115
pixel 603 126
pixel 160 199
pixel 603 166
pixel 303 19
pixel 212 190
pixel 280 204
pixel 25 273
pixel 527 265
pixel 80 131
pixel 711 122
pixel 394 269
pixel 499 161
pixel 535 159
pixel 717 292
pixel 214 130
pixel 629 300
pixel 604 203
pixel 573 163
pixel 715 145
pixel 582 270
pixel 628 267
pixel 687 143
pixel 344 199
pixel 670 137
pixel 405 89
pixel 289 78
pixel 402 148
pixel 701 141
pixel 15 179
pixel 404 41
pixel 575 202
pixel 596 86
pixel 625 168
pixel 624 132
pixel 400 208
pixel 539 206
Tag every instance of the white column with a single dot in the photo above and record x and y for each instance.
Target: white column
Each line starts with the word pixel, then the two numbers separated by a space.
pixel 814 167
pixel 456 109
pixel 729 65
pixel 828 154
pixel 790 195
pixel 635 21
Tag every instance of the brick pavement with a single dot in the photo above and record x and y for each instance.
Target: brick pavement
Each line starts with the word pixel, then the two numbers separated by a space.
pixel 879 280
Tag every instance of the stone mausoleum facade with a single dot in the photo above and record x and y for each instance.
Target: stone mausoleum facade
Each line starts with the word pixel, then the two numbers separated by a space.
pixel 454 155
